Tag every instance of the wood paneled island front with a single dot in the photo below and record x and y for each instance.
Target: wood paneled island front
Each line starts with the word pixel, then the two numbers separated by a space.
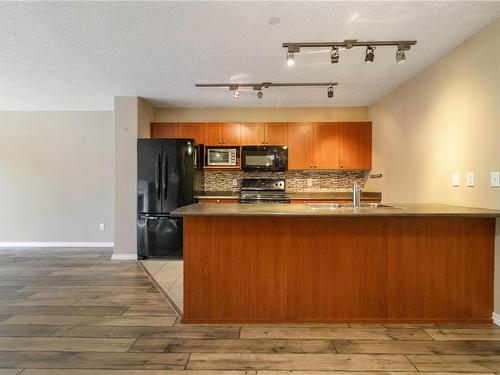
pixel 295 263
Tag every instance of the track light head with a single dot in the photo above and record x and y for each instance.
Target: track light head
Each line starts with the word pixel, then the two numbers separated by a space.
pixel 400 55
pixel 236 94
pixel 370 54
pixel 290 59
pixel 334 55
pixel 260 95
pixel 330 91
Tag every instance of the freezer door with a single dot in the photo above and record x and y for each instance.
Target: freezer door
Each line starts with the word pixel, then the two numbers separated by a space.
pixel 177 173
pixel 159 236
pixel 149 189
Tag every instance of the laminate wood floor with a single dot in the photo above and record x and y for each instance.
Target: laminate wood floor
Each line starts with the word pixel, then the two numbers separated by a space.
pixel 75 312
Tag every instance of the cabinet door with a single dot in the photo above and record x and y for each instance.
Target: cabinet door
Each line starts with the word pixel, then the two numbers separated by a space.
pixel 356 145
pixel 231 134
pixel 276 134
pixel 252 133
pixel 300 145
pixel 164 130
pixel 326 145
pixel 212 133
pixel 191 130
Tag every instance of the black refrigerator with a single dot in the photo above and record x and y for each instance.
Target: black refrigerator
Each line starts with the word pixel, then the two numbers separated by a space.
pixel 166 179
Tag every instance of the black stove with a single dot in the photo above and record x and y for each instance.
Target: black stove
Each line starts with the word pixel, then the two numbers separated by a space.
pixel 263 190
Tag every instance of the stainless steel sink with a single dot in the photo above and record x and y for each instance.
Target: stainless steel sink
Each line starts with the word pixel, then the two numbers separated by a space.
pixel 327 206
pixel 336 206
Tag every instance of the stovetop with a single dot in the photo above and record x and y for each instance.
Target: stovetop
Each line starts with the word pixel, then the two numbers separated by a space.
pixel 263 190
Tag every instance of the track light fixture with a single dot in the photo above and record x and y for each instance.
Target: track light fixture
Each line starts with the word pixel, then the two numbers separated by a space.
pixel 402 45
pixel 370 54
pixel 329 93
pixel 290 55
pixel 334 55
pixel 265 85
pixel 400 55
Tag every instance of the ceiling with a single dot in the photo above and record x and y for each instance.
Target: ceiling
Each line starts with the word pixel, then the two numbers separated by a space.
pixel 79 55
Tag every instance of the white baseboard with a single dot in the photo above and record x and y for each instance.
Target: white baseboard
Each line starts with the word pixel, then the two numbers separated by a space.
pixel 55 244
pixel 124 257
pixel 496 319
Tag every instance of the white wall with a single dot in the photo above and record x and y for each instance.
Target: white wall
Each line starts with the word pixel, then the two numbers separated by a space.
pixel 444 120
pixel 126 128
pixel 56 176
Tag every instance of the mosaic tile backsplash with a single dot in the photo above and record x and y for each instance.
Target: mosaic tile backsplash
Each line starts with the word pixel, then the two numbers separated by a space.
pixel 295 181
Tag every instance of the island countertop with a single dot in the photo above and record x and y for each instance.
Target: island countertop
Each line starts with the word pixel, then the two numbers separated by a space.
pixel 305 210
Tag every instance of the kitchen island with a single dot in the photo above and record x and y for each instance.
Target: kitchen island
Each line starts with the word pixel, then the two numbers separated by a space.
pixel 327 263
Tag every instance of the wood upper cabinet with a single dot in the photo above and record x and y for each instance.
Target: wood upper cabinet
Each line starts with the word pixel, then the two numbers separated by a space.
pixel 191 130
pixel 259 133
pixel 276 133
pixel 253 133
pixel 231 133
pixel 227 133
pixel 355 150
pixel 326 145
pixel 212 133
pixel 300 145
pixel 164 130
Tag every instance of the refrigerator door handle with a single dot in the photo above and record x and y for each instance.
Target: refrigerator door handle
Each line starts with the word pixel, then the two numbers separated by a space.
pixel 165 176
pixel 157 176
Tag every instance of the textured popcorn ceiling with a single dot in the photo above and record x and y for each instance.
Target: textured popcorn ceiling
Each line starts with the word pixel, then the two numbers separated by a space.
pixel 78 55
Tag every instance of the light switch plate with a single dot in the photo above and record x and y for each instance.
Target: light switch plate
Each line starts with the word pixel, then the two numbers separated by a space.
pixel 235 182
pixel 101 226
pixel 470 179
pixel 495 179
pixel 309 182
pixel 455 179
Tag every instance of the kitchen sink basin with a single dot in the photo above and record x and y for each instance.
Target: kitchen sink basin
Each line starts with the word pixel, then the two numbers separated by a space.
pixel 336 206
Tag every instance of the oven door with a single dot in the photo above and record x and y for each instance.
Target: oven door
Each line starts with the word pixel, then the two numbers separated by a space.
pixel 218 156
pixel 264 158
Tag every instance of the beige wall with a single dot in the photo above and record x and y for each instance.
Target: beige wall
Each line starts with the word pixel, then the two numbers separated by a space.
pixel 126 118
pixel 261 114
pixel 56 176
pixel 445 119
pixel 145 118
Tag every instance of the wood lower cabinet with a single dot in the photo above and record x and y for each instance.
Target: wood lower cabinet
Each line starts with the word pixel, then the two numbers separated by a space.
pixel 164 130
pixel 191 130
pixel 253 133
pixel 217 201
pixel 276 133
pixel 326 145
pixel 338 269
pixel 355 151
pixel 300 145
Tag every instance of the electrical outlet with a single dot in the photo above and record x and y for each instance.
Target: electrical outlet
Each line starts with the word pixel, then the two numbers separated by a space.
pixel 101 226
pixel 235 182
pixel 495 179
pixel 470 179
pixel 309 182
pixel 455 179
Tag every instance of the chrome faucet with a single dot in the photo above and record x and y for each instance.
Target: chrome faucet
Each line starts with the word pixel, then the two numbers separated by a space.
pixel 356 195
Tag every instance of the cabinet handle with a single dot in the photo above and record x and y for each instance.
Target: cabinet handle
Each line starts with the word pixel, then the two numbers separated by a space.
pixel 311 165
pixel 223 142
pixel 220 141
pixel 262 142
pixel 315 166
pixel 218 200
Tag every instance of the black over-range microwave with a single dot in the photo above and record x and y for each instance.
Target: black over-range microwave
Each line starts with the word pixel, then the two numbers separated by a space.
pixel 264 158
